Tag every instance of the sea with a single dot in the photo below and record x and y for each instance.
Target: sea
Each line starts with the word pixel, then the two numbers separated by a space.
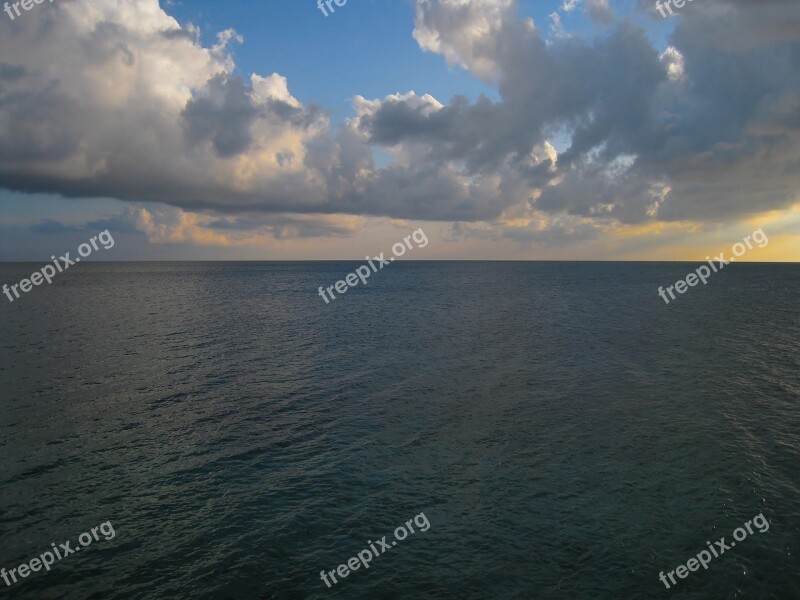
pixel 565 432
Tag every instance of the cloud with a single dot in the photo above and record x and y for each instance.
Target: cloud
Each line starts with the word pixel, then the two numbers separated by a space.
pixel 50 226
pixel 222 115
pixel 599 10
pixel 465 32
pixel 114 98
pixel 702 131
pixel 286 226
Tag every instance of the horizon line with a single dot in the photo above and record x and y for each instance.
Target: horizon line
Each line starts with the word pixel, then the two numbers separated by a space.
pixel 355 260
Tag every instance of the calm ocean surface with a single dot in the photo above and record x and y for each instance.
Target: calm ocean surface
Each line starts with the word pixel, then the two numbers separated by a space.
pixel 566 433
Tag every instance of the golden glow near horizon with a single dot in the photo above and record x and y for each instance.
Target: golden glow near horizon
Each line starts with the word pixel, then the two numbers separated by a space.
pixel 356 236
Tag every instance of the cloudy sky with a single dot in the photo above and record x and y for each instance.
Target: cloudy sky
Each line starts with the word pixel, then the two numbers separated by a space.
pixel 506 129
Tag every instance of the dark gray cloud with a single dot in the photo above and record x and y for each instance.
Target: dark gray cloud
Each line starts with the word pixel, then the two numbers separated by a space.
pixel 282 226
pixel 711 133
pixel 121 223
pixel 37 120
pixel 600 11
pixel 50 226
pixel 221 113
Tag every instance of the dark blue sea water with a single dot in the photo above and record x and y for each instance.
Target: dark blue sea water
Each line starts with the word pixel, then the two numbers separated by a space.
pixel 566 433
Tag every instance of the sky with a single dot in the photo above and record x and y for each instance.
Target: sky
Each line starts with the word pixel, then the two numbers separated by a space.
pixel 505 129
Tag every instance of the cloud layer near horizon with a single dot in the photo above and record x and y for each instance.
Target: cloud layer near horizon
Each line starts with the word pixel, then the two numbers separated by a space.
pixel 114 98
